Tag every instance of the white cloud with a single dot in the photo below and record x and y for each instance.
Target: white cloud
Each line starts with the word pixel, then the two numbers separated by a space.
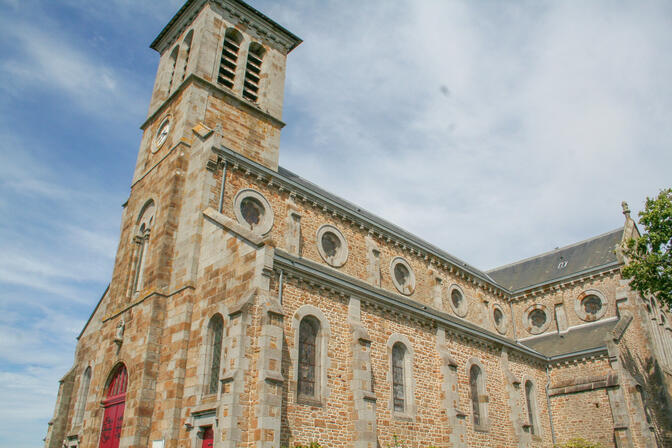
pixel 57 250
pixel 495 130
pixel 47 61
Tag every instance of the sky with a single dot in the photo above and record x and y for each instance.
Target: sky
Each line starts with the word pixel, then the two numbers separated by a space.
pixel 494 130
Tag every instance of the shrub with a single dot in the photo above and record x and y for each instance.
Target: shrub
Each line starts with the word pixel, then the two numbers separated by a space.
pixel 579 443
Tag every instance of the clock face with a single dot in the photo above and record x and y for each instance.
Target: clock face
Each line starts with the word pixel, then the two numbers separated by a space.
pixel 162 134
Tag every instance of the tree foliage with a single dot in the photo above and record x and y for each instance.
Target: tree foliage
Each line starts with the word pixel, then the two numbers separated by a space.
pixel 650 256
pixel 579 443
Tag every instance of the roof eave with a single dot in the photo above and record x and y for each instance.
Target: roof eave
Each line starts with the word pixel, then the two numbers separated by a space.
pixel 197 5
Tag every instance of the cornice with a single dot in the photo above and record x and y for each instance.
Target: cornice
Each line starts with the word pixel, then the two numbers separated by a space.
pixel 334 282
pixel 177 24
pixel 154 293
pixel 275 180
pixel 192 78
pixel 267 29
pixel 304 194
pixel 577 357
pixel 567 281
pixel 165 156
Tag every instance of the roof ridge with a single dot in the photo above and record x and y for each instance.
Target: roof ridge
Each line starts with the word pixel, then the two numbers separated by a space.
pixel 550 252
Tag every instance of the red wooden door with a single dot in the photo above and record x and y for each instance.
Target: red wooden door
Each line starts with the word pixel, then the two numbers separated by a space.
pixel 114 404
pixel 208 437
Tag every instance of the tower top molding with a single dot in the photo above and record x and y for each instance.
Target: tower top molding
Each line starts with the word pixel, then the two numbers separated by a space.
pixel 265 27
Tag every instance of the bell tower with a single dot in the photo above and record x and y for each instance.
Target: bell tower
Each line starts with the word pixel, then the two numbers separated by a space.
pixel 222 65
pixel 221 74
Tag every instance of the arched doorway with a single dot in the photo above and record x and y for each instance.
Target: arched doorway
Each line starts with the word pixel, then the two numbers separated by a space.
pixel 114 402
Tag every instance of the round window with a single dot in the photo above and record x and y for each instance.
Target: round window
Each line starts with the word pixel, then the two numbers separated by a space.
pixel 402 276
pixel 253 211
pixel 499 319
pixel 590 305
pixel 537 319
pixel 498 316
pixel 331 245
pixel 457 300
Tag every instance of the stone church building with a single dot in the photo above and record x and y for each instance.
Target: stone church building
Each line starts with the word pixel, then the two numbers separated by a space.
pixel 249 307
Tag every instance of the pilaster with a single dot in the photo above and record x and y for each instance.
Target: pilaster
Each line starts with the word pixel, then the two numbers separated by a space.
pixel 450 393
pixel 231 412
pixel 364 403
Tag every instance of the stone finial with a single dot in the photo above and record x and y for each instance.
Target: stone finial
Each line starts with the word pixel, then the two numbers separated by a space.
pixel 626 209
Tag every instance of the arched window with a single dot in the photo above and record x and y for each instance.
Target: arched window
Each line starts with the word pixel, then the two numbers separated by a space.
pixel 229 61
pixel 215 334
pixel 308 347
pixel 474 384
pixel 144 225
pixel 187 51
pixel 255 55
pixel 173 66
pixel 114 403
pixel 398 377
pixel 81 399
pixel 531 406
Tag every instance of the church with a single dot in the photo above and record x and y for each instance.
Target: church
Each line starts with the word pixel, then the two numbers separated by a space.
pixel 250 308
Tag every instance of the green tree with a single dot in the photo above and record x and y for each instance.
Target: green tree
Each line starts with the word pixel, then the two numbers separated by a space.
pixel 650 256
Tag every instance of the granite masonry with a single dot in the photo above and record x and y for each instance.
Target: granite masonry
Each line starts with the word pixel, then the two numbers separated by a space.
pixel 250 308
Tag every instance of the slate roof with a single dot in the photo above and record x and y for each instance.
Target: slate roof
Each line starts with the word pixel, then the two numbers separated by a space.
pixel 575 340
pixel 578 257
pixel 383 223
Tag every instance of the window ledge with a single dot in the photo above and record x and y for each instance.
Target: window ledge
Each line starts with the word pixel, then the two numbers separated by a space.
pixel 403 416
pixel 207 400
pixel 482 428
pixel 370 396
pixel 204 408
pixel 309 401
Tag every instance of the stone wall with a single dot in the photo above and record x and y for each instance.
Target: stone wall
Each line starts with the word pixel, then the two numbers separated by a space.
pixel 200 260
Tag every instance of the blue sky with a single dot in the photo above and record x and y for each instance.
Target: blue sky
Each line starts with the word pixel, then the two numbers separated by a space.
pixel 495 130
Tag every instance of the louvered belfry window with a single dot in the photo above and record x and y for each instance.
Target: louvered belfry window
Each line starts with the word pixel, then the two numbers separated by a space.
pixel 255 55
pixel 474 379
pixel 398 387
pixel 307 356
pixel 216 328
pixel 229 61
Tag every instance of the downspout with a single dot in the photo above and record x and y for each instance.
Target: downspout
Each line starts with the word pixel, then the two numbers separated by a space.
pixel 548 404
pixel 221 190
pixel 280 288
